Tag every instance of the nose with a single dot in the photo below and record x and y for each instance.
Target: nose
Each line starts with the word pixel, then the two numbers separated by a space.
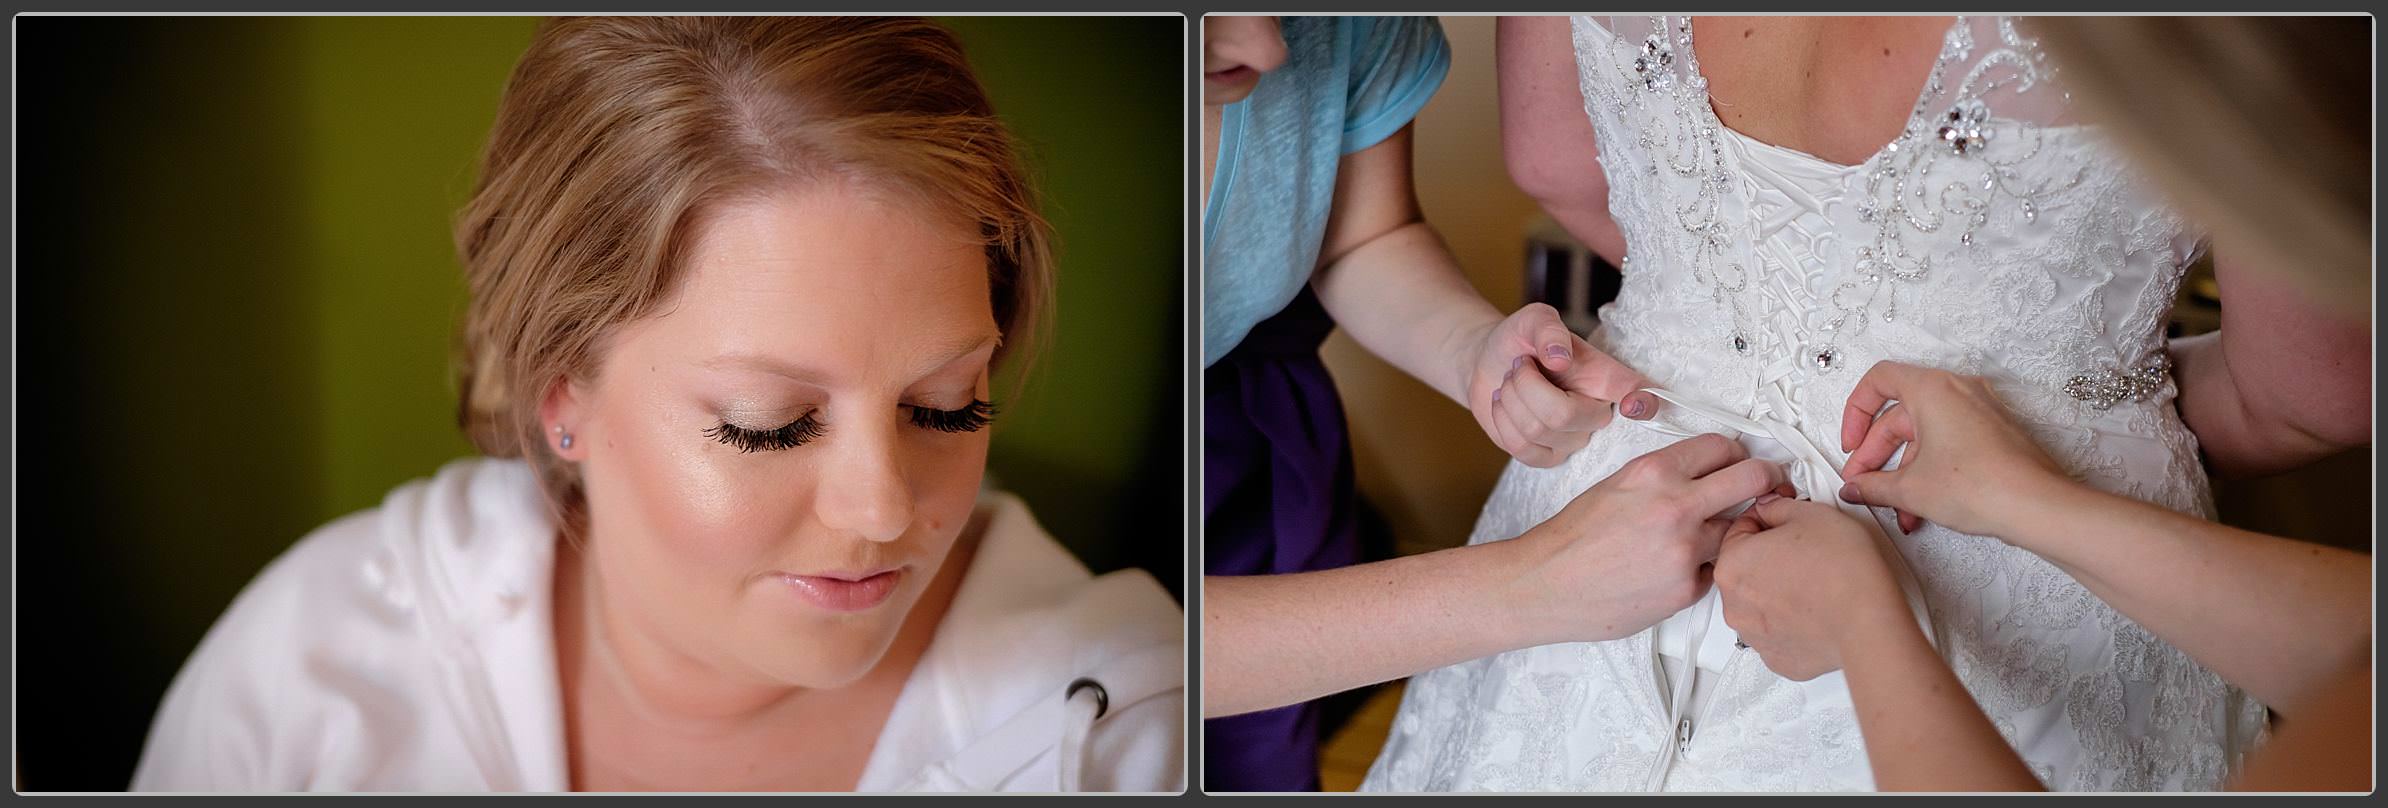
pixel 864 490
pixel 1255 42
pixel 1268 45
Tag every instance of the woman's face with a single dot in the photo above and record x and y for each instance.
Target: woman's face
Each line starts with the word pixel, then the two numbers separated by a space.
pixel 777 463
pixel 1235 51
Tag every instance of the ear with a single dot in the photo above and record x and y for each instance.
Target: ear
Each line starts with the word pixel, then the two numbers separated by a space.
pixel 562 412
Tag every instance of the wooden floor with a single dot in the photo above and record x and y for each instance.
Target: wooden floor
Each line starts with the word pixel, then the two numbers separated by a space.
pixel 1343 762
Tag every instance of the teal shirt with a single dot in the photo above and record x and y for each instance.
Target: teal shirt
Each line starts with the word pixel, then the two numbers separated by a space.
pixel 1347 84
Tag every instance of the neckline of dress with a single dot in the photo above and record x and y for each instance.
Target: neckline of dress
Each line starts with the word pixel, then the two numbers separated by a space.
pixel 1906 130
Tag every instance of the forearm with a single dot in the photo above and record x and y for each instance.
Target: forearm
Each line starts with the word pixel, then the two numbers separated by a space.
pixel 2273 616
pixel 1923 731
pixel 1273 640
pixel 1402 296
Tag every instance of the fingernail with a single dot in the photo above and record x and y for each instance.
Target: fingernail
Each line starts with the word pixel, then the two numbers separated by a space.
pixel 1767 497
pixel 1556 352
pixel 1496 395
pixel 1633 409
pixel 1518 362
pixel 1849 493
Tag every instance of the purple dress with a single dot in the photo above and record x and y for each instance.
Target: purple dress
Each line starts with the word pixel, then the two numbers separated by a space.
pixel 1277 497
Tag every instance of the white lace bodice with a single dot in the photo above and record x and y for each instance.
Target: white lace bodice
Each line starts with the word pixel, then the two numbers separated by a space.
pixel 1995 236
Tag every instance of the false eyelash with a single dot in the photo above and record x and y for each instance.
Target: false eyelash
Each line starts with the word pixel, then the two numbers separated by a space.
pixel 970 418
pixel 796 433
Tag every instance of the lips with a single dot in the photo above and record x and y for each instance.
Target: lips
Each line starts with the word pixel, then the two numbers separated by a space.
pixel 1231 76
pixel 844 592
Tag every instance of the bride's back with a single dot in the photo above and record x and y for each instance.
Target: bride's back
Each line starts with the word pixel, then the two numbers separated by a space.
pixel 1834 87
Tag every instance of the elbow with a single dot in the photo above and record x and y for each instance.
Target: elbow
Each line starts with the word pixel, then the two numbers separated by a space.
pixel 2325 418
pixel 1551 177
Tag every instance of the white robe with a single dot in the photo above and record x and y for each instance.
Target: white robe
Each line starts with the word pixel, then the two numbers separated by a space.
pixel 409 648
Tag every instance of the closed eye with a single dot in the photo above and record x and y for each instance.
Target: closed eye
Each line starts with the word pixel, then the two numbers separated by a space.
pixel 970 418
pixel 796 433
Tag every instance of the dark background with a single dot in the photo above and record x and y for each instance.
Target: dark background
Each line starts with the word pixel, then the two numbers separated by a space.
pixel 237 295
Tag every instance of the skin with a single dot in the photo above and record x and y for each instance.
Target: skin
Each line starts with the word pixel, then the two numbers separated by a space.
pixel 1537 390
pixel 1620 557
pixel 2284 382
pixel 2289 622
pixel 1762 74
pixel 688 662
pixel 1808 589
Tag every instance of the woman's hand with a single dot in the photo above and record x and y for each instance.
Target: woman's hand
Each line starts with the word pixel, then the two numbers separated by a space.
pixel 1539 391
pixel 1635 548
pixel 1800 581
pixel 1977 465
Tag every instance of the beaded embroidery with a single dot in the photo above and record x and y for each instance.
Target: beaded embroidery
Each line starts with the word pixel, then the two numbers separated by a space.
pixel 1895 199
pixel 2105 388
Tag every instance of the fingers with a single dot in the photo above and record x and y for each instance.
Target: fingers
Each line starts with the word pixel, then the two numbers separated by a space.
pixel 1699 455
pixel 1505 433
pixel 1894 428
pixel 1774 513
pixel 1708 539
pixel 1879 488
pixel 1549 415
pixel 1596 374
pixel 1743 480
pixel 1741 527
pixel 1547 338
pixel 1541 425
pixel 1882 384
pixel 1639 405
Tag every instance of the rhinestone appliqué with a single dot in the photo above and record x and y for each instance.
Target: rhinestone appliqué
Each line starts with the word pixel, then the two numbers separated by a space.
pixel 2102 389
pixel 1825 359
pixel 1652 66
pixel 1966 129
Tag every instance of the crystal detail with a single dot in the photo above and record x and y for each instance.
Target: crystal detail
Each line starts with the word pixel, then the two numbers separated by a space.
pixel 2102 389
pixel 1964 132
pixel 1825 358
pixel 1741 345
pixel 1652 66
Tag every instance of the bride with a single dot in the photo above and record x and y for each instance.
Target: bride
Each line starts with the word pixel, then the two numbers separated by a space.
pixel 1989 234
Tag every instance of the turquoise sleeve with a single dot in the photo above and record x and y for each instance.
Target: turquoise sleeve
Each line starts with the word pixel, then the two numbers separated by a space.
pixel 1397 63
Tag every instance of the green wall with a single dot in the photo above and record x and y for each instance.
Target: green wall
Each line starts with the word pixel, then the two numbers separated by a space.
pixel 237 296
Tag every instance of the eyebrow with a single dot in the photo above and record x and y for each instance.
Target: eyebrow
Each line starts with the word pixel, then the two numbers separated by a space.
pixel 944 353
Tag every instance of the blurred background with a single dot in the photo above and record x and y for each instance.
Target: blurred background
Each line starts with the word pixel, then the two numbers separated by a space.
pixel 1425 468
pixel 237 295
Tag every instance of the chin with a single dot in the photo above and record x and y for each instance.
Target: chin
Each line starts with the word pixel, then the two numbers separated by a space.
pixel 832 655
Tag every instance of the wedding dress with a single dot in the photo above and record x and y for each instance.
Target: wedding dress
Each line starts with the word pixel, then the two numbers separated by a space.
pixel 1995 236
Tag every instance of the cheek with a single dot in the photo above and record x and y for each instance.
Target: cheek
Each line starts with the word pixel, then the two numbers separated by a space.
pixel 946 472
pixel 681 501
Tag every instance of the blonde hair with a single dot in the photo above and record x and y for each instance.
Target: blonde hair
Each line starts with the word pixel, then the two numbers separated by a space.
pixel 616 134
pixel 2260 126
